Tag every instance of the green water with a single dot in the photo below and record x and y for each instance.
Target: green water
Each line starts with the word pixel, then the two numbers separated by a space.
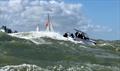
pixel 58 55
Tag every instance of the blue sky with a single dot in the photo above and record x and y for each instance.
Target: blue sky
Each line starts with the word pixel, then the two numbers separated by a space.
pixel 99 18
pixel 104 13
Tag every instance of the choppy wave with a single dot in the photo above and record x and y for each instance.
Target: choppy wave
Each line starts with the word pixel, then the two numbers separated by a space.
pixel 56 55
pixel 81 67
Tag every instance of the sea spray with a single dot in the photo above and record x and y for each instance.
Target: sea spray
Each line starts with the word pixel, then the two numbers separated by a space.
pixel 22 67
pixel 78 67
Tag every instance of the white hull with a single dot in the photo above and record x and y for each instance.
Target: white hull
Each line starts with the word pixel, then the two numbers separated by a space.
pixel 88 42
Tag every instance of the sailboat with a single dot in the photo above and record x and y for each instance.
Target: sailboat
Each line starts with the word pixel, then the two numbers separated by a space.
pixel 37 28
pixel 49 25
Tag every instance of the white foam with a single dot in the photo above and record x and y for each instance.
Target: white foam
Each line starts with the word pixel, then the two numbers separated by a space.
pixel 22 67
pixel 54 35
pixel 83 67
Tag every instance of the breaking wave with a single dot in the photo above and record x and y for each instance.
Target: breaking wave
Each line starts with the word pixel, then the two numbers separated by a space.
pixel 81 67
pixel 23 67
pixel 32 36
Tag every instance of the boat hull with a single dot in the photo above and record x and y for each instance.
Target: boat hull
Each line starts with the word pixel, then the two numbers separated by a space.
pixel 88 42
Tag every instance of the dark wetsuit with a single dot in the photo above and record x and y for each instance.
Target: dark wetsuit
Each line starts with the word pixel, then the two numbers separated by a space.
pixel 72 35
pixel 65 35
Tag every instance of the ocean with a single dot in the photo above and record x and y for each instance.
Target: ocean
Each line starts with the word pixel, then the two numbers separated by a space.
pixel 18 54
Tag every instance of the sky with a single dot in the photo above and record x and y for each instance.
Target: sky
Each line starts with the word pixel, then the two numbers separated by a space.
pixel 99 18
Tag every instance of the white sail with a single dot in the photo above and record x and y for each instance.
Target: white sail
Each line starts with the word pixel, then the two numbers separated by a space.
pixel 37 28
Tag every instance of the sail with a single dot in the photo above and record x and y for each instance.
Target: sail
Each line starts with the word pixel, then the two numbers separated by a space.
pixel 37 28
pixel 48 25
